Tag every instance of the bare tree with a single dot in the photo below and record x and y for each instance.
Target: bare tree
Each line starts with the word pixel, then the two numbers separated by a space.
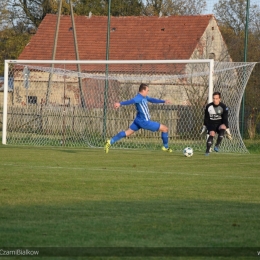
pixel 32 12
pixel 4 14
pixel 174 7
pixel 232 14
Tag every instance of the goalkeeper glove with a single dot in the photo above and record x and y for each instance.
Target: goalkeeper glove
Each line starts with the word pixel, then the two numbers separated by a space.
pixel 203 130
pixel 229 136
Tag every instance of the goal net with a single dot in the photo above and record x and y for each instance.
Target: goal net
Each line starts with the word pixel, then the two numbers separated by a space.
pixel 70 103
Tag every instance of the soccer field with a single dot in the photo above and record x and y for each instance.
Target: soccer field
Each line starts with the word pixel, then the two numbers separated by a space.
pixel 130 199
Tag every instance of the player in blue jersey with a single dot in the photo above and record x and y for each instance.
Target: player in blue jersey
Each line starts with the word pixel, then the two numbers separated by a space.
pixel 142 119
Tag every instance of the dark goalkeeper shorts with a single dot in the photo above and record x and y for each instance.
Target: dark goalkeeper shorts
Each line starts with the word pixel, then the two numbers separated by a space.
pixel 213 127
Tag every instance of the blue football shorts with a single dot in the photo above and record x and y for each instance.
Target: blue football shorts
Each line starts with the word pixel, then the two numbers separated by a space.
pixel 147 125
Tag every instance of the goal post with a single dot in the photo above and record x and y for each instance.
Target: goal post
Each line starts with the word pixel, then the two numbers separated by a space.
pixel 46 107
pixel 4 127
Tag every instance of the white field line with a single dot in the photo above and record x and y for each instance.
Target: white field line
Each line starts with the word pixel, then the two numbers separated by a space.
pixel 127 170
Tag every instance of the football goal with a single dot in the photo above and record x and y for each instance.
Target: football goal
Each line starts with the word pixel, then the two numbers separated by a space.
pixel 70 103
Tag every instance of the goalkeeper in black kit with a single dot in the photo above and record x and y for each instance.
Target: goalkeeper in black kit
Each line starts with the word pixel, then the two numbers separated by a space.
pixel 216 121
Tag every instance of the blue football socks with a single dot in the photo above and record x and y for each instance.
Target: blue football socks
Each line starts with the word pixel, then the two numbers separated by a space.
pixel 117 137
pixel 165 139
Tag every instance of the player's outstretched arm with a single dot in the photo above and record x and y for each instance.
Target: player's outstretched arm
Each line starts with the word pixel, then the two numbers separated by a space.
pixel 155 100
pixel 127 102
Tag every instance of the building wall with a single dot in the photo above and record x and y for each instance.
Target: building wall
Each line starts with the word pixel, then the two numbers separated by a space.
pixel 212 45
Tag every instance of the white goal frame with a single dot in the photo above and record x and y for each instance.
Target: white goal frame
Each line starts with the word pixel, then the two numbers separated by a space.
pixel 210 62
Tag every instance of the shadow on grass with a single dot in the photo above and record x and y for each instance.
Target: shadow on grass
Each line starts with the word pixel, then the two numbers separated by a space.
pixel 69 151
pixel 179 223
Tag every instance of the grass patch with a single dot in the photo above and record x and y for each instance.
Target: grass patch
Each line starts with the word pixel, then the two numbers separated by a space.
pixel 54 197
pixel 253 146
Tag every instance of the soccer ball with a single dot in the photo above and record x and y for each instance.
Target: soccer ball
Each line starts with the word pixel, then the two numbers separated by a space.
pixel 188 151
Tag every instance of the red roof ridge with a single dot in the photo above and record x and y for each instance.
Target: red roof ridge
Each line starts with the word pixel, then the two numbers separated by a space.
pixel 131 37
pixel 180 17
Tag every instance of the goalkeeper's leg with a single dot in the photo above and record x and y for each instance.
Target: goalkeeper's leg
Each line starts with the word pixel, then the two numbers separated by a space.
pixel 221 133
pixel 209 143
pixel 211 134
pixel 220 137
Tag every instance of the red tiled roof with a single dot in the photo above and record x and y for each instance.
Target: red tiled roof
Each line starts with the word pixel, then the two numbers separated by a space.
pixel 131 38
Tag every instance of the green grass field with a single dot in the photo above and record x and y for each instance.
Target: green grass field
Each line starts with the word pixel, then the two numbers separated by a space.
pixel 54 197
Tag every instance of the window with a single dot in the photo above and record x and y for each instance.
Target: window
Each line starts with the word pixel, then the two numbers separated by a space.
pixel 212 56
pixel 67 101
pixel 32 99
